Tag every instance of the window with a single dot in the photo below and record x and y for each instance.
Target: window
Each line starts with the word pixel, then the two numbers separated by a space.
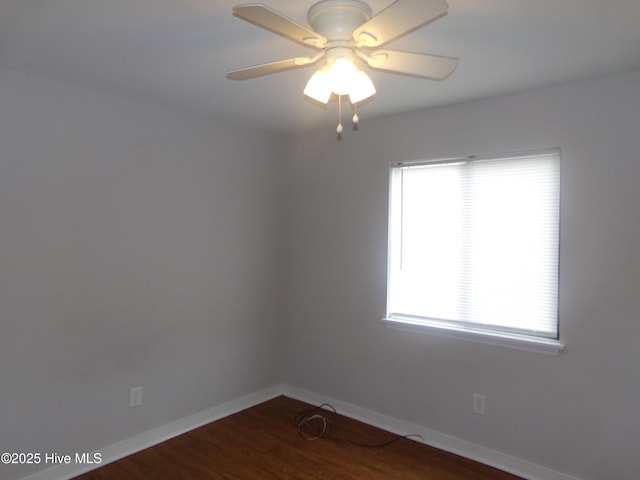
pixel 473 246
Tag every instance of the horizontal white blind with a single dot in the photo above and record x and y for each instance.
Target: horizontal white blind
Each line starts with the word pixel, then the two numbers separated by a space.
pixel 475 242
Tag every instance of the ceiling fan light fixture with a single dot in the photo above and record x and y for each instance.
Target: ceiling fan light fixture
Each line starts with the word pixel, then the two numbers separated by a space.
pixel 342 78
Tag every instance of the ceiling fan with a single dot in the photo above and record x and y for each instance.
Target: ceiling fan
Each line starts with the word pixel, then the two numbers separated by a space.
pixel 345 31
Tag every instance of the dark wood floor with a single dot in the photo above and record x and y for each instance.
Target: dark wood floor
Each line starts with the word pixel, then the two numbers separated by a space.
pixel 262 443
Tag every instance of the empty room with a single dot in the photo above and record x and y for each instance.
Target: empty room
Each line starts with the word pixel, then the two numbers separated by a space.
pixel 340 239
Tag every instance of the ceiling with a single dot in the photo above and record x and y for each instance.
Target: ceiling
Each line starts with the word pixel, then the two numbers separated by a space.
pixel 176 53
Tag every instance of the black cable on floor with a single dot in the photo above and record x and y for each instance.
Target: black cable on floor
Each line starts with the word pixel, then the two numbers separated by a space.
pixel 312 425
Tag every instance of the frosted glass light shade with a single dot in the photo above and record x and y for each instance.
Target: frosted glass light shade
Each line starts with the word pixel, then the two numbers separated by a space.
pixel 319 87
pixel 361 87
pixel 341 76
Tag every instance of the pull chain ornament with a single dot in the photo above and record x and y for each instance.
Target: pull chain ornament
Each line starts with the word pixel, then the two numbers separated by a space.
pixel 355 119
pixel 339 127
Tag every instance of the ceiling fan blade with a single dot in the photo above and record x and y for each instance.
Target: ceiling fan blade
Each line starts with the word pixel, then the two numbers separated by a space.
pixel 397 19
pixel 268 68
pixel 418 64
pixel 269 19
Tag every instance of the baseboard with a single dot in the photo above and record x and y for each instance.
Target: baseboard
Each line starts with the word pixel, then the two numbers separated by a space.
pixel 463 448
pixel 152 437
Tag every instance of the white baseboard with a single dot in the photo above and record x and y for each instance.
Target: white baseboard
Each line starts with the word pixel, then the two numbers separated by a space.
pixel 152 437
pixel 463 448
pixel 147 439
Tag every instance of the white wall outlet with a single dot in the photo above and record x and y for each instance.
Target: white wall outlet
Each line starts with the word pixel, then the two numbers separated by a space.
pixel 479 404
pixel 135 397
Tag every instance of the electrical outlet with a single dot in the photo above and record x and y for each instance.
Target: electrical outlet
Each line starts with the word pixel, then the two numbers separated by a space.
pixel 479 404
pixel 135 397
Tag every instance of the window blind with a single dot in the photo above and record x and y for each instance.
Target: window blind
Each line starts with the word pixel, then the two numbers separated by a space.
pixel 474 242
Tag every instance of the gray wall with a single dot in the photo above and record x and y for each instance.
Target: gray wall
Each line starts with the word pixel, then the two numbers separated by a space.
pixel 137 247
pixel 577 413
pixel 142 247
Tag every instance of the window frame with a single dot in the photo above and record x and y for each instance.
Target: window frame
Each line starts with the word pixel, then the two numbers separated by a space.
pixel 460 329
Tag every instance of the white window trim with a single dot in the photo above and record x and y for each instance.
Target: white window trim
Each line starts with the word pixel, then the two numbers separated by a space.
pixel 501 339
pixel 517 341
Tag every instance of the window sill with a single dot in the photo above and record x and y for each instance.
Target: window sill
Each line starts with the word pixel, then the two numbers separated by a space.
pixel 508 340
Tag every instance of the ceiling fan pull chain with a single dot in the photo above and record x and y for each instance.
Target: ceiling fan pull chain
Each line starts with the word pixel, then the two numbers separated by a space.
pixel 339 127
pixel 355 118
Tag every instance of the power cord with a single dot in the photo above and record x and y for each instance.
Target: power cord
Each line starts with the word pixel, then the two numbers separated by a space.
pixel 312 425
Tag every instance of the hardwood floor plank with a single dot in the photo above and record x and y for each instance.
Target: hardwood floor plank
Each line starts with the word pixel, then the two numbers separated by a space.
pixel 263 443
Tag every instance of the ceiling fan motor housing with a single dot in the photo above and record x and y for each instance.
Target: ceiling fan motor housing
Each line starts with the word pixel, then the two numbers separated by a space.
pixel 337 19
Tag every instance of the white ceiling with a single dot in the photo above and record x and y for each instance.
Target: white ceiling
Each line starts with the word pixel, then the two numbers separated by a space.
pixel 176 53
